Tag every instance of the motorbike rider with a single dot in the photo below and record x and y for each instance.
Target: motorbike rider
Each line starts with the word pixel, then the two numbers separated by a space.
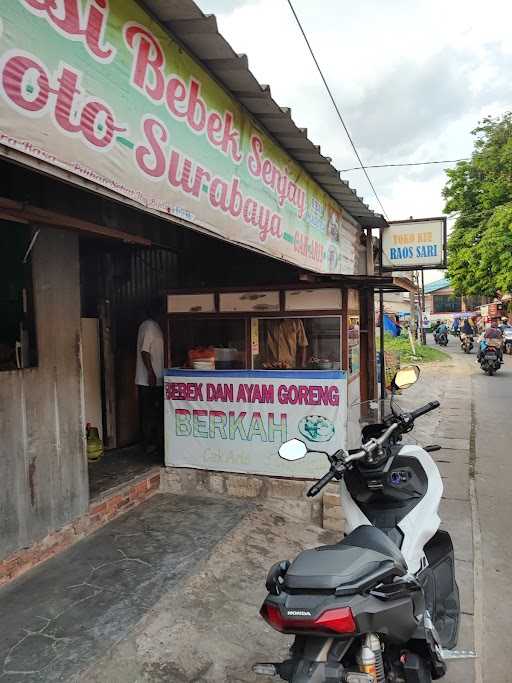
pixel 504 323
pixel 492 332
pixel 441 329
pixel 466 327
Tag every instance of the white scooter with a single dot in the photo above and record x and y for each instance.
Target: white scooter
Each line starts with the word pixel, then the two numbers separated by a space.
pixel 382 605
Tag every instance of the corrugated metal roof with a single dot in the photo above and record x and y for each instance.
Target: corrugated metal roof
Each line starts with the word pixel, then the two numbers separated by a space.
pixel 444 283
pixel 199 34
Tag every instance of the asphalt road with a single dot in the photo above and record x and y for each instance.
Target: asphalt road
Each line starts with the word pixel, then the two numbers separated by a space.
pixel 492 434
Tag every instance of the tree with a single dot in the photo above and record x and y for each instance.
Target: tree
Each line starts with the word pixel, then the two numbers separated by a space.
pixel 480 192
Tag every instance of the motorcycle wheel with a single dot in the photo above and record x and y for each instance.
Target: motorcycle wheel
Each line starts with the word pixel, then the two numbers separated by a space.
pixel 490 372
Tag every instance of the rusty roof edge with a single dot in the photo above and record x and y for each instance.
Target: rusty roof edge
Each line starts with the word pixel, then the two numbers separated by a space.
pixel 173 15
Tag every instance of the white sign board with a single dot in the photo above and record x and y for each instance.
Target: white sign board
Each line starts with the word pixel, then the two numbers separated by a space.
pixel 235 421
pixel 414 244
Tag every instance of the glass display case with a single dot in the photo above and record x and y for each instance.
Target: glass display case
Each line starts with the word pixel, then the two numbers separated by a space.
pixel 293 343
pixel 288 329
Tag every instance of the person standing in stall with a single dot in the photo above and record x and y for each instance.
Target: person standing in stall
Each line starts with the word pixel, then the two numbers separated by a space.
pixel 149 380
pixel 286 344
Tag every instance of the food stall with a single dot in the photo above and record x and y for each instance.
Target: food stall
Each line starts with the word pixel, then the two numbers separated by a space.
pixel 249 369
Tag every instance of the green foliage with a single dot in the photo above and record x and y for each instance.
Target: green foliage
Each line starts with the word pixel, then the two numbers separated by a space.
pixel 480 190
pixel 424 354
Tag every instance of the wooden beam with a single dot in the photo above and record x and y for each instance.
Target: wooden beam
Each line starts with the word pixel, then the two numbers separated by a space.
pixel 20 212
pixel 12 217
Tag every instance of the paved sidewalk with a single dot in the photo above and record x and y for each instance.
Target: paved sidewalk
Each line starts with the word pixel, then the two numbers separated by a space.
pixel 451 427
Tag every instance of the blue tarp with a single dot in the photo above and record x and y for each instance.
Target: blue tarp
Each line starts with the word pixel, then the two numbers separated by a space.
pixel 391 326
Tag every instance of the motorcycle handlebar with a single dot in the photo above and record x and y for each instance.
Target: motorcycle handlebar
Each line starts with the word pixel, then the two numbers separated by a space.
pixel 425 409
pixel 371 445
pixel 367 449
pixel 316 488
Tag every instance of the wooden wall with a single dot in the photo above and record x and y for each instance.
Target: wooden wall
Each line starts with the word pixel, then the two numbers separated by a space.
pixel 43 465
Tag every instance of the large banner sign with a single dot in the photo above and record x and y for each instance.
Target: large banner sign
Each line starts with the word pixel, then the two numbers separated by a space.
pixel 414 244
pixel 235 421
pixel 99 89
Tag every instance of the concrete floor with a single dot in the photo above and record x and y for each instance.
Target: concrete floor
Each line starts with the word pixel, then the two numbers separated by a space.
pixel 450 427
pixel 60 617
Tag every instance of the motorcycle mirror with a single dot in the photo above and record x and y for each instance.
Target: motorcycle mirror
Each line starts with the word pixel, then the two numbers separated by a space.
pixel 293 450
pixel 406 377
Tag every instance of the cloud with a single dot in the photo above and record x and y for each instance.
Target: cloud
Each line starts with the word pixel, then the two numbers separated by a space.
pixel 412 79
pixel 409 103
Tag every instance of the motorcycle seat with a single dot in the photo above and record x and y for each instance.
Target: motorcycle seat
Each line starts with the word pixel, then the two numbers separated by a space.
pixel 364 558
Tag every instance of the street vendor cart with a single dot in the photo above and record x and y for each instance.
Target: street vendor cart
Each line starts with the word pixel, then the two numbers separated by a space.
pixel 248 369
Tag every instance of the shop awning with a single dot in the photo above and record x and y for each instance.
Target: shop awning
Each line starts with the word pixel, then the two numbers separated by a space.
pixel 200 35
pixel 385 283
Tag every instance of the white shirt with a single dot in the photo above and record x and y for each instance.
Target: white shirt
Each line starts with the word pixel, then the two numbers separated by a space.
pixel 150 339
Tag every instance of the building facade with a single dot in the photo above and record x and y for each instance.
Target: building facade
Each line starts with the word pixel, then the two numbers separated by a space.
pixel 140 155
pixel 441 301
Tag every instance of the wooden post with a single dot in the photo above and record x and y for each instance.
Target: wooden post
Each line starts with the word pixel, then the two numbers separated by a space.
pixel 367 341
pixel 372 349
pixel 370 265
pixel 107 351
pixel 344 330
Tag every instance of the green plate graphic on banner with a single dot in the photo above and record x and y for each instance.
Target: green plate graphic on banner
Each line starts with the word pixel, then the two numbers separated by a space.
pixel 316 428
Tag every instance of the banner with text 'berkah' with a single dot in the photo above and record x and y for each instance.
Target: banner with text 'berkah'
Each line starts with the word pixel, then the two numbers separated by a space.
pixel 235 421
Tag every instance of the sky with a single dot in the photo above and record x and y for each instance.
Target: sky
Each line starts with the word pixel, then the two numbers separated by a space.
pixel 412 78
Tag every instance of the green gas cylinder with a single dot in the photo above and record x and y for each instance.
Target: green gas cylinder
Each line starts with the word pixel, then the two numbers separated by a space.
pixel 94 444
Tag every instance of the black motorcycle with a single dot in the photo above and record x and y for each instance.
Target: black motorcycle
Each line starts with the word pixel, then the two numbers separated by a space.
pixel 490 356
pixel 466 342
pixel 442 339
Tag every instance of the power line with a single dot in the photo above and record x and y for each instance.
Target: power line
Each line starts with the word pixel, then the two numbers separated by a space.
pixel 362 166
pixel 416 163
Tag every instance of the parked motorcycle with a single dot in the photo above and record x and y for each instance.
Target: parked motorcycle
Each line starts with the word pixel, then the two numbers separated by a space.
pixel 466 342
pixel 490 355
pixel 381 605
